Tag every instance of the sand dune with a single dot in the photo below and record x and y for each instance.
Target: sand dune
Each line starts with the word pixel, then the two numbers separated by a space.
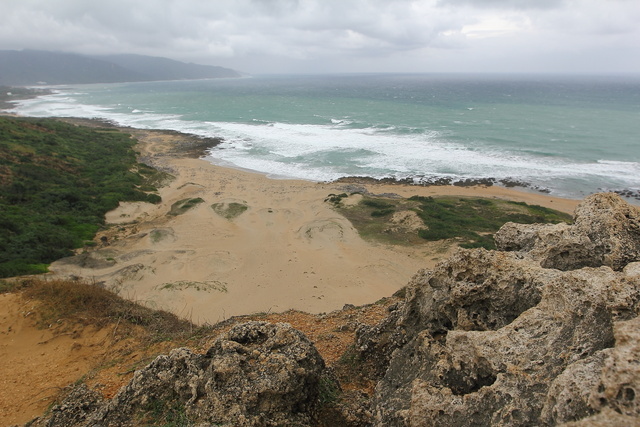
pixel 253 244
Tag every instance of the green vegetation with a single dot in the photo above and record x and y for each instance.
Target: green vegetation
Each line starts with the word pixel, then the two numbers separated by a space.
pixel 229 210
pixel 206 286
pixel 474 220
pixel 371 217
pixel 181 206
pixel 90 304
pixel 152 177
pixel 328 390
pixel 336 198
pixel 56 183
pixel 471 221
pixel 169 412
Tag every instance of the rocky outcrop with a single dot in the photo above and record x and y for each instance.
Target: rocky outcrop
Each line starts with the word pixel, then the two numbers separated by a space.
pixel 606 231
pixel 542 335
pixel 544 332
pixel 608 380
pixel 257 374
pixel 74 410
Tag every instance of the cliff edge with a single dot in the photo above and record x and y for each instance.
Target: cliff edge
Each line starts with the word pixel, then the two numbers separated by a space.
pixel 543 331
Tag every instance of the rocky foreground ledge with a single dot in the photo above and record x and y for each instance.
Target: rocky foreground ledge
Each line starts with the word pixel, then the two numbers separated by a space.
pixel 543 331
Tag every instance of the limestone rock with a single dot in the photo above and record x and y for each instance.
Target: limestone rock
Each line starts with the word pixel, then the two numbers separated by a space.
pixel 606 418
pixel 447 375
pixel 568 396
pixel 609 380
pixel 612 224
pixel 257 374
pixel 606 231
pixel 503 338
pixel 558 246
pixel 472 290
pixel 73 410
pixel 619 385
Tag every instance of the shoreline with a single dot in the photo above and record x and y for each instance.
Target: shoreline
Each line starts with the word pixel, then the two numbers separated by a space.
pixel 288 250
pixel 196 147
pixel 203 150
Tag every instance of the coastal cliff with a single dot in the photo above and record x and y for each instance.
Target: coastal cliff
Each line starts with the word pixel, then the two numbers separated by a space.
pixel 542 331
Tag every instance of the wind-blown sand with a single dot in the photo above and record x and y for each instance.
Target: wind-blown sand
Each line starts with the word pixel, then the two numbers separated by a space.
pixel 289 249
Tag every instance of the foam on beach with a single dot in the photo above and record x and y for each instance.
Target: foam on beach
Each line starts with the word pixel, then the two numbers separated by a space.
pixel 526 143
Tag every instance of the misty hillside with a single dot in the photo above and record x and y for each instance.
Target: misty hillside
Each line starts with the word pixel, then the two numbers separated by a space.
pixel 167 69
pixel 31 67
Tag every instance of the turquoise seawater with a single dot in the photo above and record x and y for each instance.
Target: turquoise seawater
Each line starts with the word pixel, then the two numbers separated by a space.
pixel 571 136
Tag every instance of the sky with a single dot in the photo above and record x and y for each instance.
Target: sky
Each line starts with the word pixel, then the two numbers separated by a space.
pixel 341 36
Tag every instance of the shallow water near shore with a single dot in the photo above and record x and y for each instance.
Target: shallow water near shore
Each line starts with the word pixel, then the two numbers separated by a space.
pixel 570 136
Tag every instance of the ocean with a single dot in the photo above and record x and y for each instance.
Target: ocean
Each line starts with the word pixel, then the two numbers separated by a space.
pixel 568 136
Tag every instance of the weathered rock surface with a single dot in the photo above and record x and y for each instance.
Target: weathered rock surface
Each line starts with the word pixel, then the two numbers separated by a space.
pixel 543 335
pixel 257 374
pixel 610 379
pixel 75 409
pixel 606 231
pixel 543 332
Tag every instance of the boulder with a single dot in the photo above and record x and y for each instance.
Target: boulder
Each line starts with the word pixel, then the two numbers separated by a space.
pixel 257 374
pixel 472 290
pixel 500 375
pixel 78 405
pixel 540 334
pixel 606 231
pixel 609 380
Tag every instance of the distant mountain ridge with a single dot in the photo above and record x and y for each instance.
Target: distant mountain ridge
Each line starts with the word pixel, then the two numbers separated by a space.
pixel 32 67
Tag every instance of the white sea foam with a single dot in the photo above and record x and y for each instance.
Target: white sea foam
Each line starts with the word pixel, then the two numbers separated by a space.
pixel 341 147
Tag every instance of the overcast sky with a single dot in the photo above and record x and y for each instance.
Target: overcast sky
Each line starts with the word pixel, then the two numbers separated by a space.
pixel 315 36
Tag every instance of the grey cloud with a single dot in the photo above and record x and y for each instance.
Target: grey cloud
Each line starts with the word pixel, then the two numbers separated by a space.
pixel 329 34
pixel 505 4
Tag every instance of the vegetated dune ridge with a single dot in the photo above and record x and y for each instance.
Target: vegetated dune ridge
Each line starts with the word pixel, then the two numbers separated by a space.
pixel 285 248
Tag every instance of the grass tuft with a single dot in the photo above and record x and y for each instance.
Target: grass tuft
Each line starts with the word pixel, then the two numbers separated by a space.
pixel 229 210
pixel 90 304
pixel 182 206
pixel 474 220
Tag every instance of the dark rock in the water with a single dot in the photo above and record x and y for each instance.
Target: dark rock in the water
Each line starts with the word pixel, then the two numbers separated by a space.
pixel 629 194
pixel 438 181
pixel 472 182
pixel 510 183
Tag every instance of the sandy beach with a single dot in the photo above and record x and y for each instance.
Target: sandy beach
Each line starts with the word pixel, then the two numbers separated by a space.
pixel 289 250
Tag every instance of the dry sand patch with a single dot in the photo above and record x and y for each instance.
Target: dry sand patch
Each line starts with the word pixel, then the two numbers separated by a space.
pixel 289 249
